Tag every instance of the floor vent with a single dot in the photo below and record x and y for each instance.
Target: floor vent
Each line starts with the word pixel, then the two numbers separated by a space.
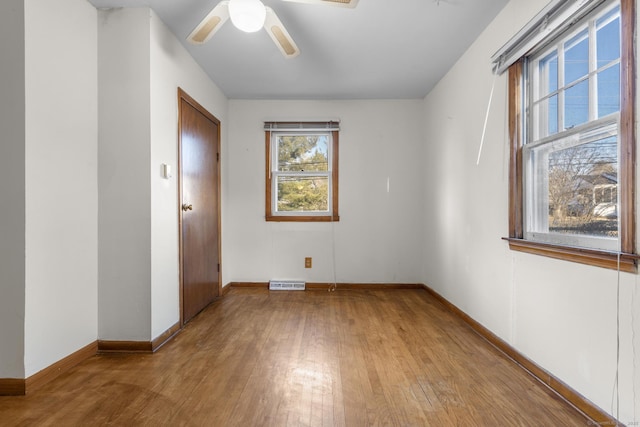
pixel 286 285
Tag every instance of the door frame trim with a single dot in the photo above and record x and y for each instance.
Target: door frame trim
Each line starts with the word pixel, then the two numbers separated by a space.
pixel 183 96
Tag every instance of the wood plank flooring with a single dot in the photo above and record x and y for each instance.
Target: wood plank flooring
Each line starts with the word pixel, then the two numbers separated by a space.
pixel 314 358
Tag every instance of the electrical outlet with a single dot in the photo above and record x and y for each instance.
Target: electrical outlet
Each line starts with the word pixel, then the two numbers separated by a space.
pixel 307 262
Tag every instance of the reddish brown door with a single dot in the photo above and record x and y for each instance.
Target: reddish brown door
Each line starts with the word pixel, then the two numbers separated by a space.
pixel 199 141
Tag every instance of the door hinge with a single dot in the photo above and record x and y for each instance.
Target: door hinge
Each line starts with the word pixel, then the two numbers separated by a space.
pixel 218 267
pixel 218 156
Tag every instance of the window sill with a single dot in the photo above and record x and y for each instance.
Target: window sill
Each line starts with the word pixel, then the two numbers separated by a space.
pixel 300 218
pixel 598 258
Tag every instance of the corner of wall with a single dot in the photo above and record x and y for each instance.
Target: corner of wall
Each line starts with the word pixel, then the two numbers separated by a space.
pixel 124 218
pixel 12 189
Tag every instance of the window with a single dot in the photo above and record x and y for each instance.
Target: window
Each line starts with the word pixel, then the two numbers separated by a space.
pixel 571 119
pixel 301 171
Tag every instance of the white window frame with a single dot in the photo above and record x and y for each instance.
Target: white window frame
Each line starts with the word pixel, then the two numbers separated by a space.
pixel 535 198
pixel 557 17
pixel 273 130
pixel 538 143
pixel 275 174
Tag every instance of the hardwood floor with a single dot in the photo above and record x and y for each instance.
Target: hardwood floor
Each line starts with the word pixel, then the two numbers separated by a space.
pixel 314 358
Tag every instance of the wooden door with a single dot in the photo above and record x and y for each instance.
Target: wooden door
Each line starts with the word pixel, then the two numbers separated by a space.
pixel 199 148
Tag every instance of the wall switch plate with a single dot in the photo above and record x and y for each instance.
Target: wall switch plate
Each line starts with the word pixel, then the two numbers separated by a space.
pixel 166 171
pixel 307 262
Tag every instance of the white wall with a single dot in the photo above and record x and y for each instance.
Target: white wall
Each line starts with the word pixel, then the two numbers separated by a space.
pixel 61 180
pixel 559 314
pixel 171 67
pixel 124 175
pixel 12 190
pixel 377 237
pixel 142 64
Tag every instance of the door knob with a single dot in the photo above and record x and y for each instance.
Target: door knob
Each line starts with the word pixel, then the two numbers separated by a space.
pixel 186 207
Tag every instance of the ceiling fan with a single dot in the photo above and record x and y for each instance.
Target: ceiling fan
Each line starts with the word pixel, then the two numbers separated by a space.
pixel 250 16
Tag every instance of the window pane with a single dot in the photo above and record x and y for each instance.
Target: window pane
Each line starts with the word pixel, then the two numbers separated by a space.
pixel 548 72
pixel 547 113
pixel 576 105
pixel 303 153
pixel 609 91
pixel 582 190
pixel 303 193
pixel 608 38
pixel 576 57
pixel 553 114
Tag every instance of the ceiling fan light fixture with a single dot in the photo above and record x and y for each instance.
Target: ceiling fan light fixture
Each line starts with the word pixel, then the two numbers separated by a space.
pixel 247 15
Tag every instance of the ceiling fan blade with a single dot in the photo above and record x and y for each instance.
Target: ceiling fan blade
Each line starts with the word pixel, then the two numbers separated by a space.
pixel 210 24
pixel 342 3
pixel 280 35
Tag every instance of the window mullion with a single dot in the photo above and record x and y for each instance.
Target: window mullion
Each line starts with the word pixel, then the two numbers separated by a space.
pixel 534 98
pixel 542 127
pixel 561 84
pixel 593 78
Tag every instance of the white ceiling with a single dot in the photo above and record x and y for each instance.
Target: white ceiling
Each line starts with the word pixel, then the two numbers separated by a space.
pixel 382 49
